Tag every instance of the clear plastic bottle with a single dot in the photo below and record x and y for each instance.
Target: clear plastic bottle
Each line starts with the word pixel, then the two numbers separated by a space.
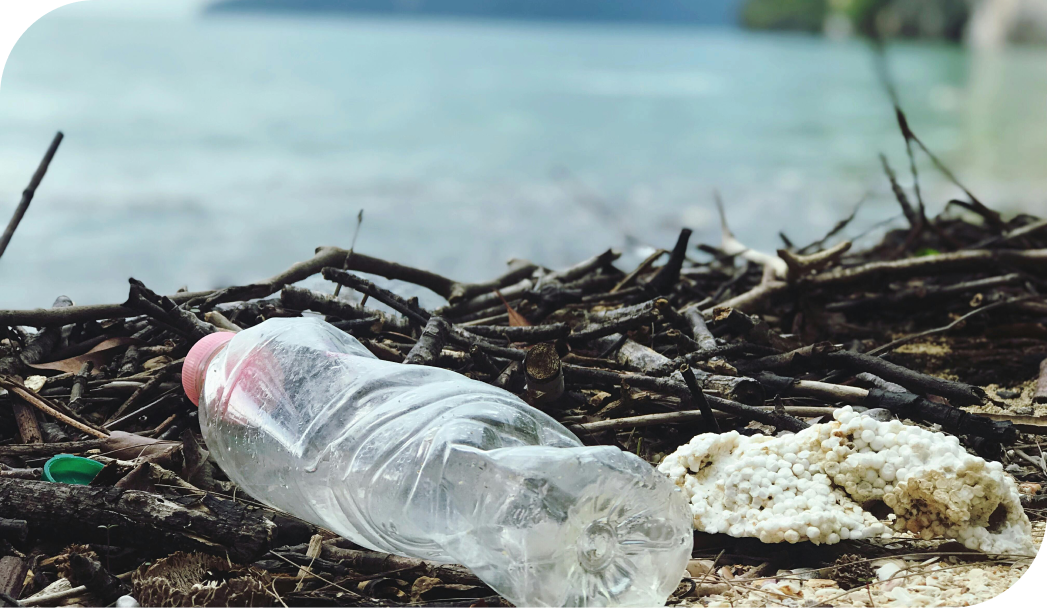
pixel 424 462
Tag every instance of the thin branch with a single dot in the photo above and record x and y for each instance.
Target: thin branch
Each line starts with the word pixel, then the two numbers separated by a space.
pixel 27 194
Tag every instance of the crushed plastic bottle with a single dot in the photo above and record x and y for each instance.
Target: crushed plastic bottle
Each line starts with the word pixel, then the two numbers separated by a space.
pixel 424 462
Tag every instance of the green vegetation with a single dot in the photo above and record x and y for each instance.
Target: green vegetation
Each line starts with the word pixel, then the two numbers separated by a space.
pixel 904 18
pixel 802 15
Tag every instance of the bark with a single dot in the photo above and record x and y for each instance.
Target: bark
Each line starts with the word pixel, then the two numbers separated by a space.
pixel 727 388
pixel 1040 393
pixel 412 311
pixel 30 190
pixel 98 581
pixel 531 334
pixel 28 425
pixel 296 298
pixel 636 356
pixel 957 393
pixel 544 374
pixel 79 390
pixel 701 332
pixel 427 350
pixel 12 575
pixel 14 529
pixel 698 398
pixel 147 521
pixel 165 311
pixel 669 275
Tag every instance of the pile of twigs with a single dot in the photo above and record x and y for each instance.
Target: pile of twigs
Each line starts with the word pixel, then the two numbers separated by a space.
pixel 693 340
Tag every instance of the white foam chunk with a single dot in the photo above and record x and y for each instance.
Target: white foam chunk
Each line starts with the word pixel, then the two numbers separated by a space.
pixel 812 485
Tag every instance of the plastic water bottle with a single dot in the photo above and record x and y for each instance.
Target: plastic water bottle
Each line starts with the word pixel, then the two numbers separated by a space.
pixel 424 462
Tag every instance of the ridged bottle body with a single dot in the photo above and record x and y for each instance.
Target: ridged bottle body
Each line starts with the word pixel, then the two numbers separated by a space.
pixel 424 462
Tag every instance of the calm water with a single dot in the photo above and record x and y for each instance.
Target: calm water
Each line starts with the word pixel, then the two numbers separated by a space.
pixel 210 151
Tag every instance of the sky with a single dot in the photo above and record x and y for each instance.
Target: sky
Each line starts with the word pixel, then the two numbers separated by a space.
pixel 109 9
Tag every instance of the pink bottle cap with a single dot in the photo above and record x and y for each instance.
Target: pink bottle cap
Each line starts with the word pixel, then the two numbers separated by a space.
pixel 199 356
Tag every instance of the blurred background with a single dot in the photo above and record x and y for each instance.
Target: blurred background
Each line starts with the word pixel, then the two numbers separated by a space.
pixel 216 143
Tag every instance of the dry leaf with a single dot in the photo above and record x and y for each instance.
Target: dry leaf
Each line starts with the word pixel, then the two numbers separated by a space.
pixel 99 355
pixel 139 478
pixel 129 446
pixel 515 318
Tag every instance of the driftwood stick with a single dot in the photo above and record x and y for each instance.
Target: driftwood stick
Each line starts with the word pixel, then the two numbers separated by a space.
pixel 914 218
pixel 529 334
pixel 14 529
pixel 357 262
pixel 698 398
pixel 467 340
pixel 579 270
pixel 974 260
pixel 921 384
pixel 79 388
pixel 172 395
pixel 98 581
pixel 412 311
pixel 296 298
pixel 30 190
pixel 685 417
pixel 704 355
pixel 165 311
pixel 33 473
pixel 590 330
pixel 464 291
pixel 517 290
pixel 1040 393
pixel 544 373
pixel 922 294
pixel 732 388
pixel 105 515
pixel 16 387
pixel 325 256
pixel 644 265
pixel 46 450
pixel 40 345
pixel 27 422
pixel 669 275
pixel 427 350
pixel 800 265
pixel 144 390
pixel 768 288
pixel 701 332
pixel 375 562
pixel 636 356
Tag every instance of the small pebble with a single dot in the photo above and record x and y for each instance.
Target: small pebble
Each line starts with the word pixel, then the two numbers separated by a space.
pixel 1025 410
pixel 1006 393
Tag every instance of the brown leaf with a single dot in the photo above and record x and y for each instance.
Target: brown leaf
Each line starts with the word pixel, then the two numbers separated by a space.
pixel 129 446
pixel 138 479
pixel 515 318
pixel 99 355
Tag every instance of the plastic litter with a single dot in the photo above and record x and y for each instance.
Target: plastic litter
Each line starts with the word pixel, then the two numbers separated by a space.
pixel 815 486
pixel 66 468
pixel 126 601
pixel 424 462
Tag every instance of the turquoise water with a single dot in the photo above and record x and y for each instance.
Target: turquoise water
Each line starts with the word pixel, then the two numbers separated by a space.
pixel 217 150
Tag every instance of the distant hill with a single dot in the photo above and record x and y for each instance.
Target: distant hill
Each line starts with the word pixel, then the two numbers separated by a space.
pixel 692 12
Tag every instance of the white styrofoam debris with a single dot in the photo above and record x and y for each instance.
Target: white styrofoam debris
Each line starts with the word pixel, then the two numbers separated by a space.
pixel 127 601
pixel 812 485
